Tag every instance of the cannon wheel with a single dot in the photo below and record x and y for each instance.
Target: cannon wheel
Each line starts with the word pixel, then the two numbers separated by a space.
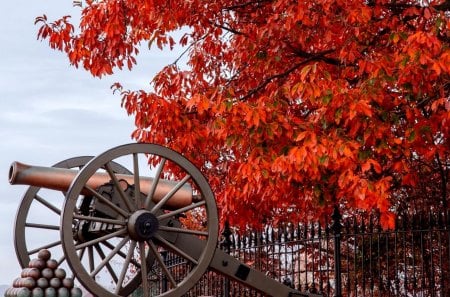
pixel 107 274
pixel 35 199
pixel 46 207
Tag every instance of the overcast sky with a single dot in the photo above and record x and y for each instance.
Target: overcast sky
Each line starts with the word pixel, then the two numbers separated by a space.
pixel 50 111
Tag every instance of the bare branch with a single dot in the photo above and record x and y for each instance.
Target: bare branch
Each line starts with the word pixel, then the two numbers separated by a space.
pixel 313 57
pixel 243 5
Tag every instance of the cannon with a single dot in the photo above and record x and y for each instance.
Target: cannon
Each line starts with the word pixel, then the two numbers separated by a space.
pixel 115 223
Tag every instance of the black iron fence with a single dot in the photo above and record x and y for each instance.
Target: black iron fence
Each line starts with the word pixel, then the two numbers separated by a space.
pixel 347 257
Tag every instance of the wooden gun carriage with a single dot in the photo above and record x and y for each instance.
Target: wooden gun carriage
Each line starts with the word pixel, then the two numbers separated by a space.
pixel 114 223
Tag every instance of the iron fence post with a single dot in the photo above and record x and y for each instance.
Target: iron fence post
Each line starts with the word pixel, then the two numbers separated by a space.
pixel 226 246
pixel 336 216
pixel 164 282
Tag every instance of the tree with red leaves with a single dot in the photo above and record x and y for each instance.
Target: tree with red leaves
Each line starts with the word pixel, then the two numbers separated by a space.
pixel 288 107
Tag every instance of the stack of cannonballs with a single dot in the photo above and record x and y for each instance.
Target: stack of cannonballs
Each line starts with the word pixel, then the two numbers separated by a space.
pixel 43 278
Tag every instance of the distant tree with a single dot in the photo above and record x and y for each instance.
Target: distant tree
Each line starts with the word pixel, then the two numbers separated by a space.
pixel 288 107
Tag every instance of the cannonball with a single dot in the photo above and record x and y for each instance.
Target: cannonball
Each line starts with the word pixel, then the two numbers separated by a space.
pixel 63 292
pixel 52 264
pixel 23 292
pixel 47 273
pixel 50 292
pixel 28 282
pixel 37 263
pixel 67 283
pixel 60 273
pixel 12 292
pixel 55 283
pixel 44 254
pixel 17 283
pixel 42 282
pixel 37 292
pixel 76 292
pixel 8 292
pixel 24 272
pixel 32 272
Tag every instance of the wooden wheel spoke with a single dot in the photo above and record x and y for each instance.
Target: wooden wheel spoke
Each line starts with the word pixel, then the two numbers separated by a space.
pixel 48 204
pixel 106 201
pixel 137 182
pixel 108 266
pixel 118 187
pixel 80 254
pixel 175 249
pixel 62 258
pixel 161 263
pixel 42 226
pixel 100 239
pixel 181 210
pixel 144 272
pixel 152 189
pixel 100 220
pixel 91 258
pixel 106 259
pixel 120 253
pixel 169 195
pixel 47 246
pixel 125 266
pixel 181 230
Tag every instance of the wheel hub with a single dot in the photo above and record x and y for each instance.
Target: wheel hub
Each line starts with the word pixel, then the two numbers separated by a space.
pixel 142 225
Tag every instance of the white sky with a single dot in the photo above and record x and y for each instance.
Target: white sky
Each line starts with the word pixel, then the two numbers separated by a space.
pixel 50 111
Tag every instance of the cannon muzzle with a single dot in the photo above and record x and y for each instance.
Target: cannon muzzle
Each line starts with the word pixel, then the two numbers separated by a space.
pixel 60 179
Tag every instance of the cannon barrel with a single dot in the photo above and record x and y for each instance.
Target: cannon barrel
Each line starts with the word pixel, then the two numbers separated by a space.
pixel 60 179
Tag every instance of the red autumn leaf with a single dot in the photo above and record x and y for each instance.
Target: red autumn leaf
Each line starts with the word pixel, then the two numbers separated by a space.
pixel 354 99
pixel 387 220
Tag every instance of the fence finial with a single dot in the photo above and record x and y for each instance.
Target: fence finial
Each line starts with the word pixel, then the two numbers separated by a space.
pixel 336 216
pixel 226 242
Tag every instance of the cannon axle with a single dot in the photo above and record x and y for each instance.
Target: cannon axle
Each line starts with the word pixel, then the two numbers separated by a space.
pixel 142 225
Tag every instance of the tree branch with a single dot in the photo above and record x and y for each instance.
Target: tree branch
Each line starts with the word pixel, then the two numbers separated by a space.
pixel 187 49
pixel 321 56
pixel 443 6
pixel 227 29
pixel 285 73
pixel 400 7
pixel 242 5
pixel 443 173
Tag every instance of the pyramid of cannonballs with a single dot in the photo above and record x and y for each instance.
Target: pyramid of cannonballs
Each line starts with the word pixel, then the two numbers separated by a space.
pixel 43 278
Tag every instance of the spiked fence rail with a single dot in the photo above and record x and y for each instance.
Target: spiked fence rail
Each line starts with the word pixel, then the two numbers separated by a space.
pixel 347 257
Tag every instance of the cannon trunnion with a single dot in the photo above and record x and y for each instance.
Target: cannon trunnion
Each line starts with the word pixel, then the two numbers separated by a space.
pixel 115 223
